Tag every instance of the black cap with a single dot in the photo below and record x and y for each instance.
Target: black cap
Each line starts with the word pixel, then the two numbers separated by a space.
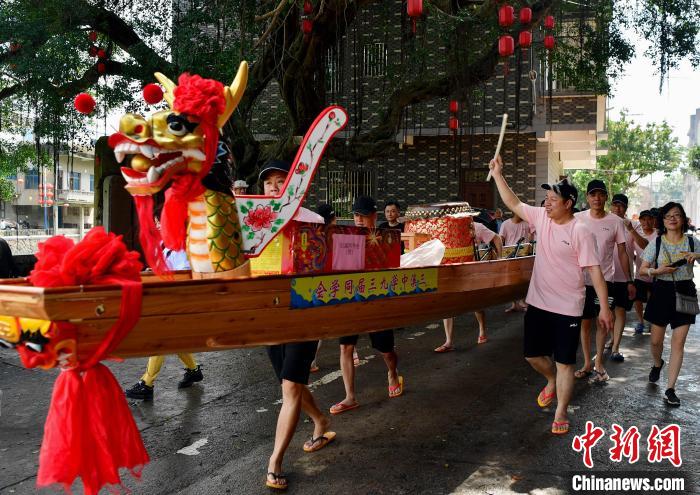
pixel 326 211
pixel 620 198
pixel 646 213
pixel 280 165
pixel 596 185
pixel 563 188
pixel 364 205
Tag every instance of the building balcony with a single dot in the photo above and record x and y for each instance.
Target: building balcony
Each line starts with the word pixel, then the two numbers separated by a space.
pixel 75 198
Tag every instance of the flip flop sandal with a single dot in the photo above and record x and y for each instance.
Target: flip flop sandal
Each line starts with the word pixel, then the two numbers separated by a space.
pixel 560 427
pixel 315 369
pixel 482 340
pixel 319 442
pixel 444 348
pixel 341 408
pixel 396 390
pixel 600 376
pixel 275 484
pixel 582 373
pixel 544 399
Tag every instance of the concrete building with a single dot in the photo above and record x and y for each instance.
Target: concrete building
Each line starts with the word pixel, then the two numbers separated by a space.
pixel 69 204
pixel 559 128
pixel 691 184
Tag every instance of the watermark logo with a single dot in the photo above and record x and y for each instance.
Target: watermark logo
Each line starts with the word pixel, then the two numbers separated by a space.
pixel 662 444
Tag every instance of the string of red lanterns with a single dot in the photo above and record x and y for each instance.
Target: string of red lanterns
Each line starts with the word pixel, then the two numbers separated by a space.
pixel 307 24
pixel 549 41
pixel 414 9
pixel 454 120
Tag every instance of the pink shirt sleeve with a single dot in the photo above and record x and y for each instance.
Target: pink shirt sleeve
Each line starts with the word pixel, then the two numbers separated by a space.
pixel 483 234
pixel 533 216
pixel 585 246
pixel 620 233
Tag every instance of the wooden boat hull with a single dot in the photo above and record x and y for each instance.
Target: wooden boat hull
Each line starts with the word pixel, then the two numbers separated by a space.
pixel 185 315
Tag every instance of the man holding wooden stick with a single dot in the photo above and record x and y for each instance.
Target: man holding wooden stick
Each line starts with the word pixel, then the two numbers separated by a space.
pixel 556 294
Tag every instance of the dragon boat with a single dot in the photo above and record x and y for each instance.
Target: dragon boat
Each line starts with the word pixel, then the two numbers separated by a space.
pixel 88 302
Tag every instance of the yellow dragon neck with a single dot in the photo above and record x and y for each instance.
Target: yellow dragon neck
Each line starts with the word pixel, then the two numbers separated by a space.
pixel 214 244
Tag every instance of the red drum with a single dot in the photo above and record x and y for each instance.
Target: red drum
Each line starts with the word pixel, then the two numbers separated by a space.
pixel 449 222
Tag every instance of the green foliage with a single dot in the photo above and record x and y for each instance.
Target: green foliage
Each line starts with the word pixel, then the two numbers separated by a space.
pixel 7 189
pixel 694 160
pixel 634 152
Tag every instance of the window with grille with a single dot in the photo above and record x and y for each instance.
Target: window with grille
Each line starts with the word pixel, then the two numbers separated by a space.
pixel 75 181
pixel 92 183
pixel 374 60
pixel 344 186
pixel 334 82
pixel 31 179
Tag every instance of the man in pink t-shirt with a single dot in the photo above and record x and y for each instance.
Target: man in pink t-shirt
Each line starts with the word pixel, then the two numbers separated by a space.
pixel 609 233
pixel 482 235
pixel 643 282
pixel 621 300
pixel 556 294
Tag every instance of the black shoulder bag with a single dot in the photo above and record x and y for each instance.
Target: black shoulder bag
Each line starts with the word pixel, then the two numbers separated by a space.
pixel 685 304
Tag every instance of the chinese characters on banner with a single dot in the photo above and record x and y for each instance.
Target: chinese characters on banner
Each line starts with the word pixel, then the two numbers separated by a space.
pixel 662 444
pixel 308 292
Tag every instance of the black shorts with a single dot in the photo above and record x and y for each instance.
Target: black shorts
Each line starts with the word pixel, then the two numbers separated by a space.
pixel 548 334
pixel 643 290
pixel 591 307
pixel 292 361
pixel 621 296
pixel 383 340
pixel 661 308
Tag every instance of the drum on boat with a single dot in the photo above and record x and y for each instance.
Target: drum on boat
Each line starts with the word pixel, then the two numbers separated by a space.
pixel 451 223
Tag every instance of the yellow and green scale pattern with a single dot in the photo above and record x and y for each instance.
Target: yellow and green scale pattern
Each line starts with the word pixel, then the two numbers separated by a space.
pixel 223 231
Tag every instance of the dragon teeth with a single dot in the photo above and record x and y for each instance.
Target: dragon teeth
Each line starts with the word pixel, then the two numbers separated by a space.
pixel 153 175
pixel 147 151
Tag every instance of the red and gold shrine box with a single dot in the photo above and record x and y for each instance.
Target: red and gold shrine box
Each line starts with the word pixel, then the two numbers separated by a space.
pixel 361 248
pixel 300 248
pixel 451 223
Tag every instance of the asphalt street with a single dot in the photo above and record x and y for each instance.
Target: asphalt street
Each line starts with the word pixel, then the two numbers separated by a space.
pixel 467 422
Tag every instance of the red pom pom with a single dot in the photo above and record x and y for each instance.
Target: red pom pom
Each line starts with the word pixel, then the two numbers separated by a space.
pixel 92 51
pixel 101 53
pixel 152 93
pixel 101 68
pixel 84 103
pixel 92 36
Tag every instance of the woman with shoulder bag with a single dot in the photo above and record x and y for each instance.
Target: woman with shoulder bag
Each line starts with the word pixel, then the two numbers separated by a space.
pixel 669 262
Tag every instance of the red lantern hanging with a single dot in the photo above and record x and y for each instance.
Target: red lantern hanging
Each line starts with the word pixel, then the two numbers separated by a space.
pixel 525 39
pixel 92 51
pixel 525 15
pixel 414 9
pixel 41 200
pixel 549 22
pixel 454 124
pixel 454 106
pixel 307 26
pixel 101 53
pixel 506 16
pixel 506 46
pixel 84 103
pixel 101 67
pixel 152 93
pixel 308 8
pixel 549 42
pixel 92 36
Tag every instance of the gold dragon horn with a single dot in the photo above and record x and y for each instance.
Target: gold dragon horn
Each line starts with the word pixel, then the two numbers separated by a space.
pixel 170 86
pixel 234 93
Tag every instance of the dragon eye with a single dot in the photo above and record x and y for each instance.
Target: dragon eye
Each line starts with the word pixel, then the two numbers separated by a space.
pixel 177 128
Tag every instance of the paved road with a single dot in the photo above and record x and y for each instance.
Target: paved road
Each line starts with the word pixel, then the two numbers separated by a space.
pixel 468 422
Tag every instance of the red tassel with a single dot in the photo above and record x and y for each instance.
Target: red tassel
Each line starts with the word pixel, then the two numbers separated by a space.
pixel 149 236
pixel 89 431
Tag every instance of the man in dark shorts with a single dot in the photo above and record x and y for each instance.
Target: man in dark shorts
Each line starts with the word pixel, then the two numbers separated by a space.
pixel 621 299
pixel 292 365
pixel 642 281
pixel 609 233
pixel 556 294
pixel 365 215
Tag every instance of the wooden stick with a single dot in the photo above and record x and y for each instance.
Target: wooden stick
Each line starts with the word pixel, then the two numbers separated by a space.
pixel 500 141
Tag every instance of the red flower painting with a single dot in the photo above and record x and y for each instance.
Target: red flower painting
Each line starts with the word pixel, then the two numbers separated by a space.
pixel 302 167
pixel 260 218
